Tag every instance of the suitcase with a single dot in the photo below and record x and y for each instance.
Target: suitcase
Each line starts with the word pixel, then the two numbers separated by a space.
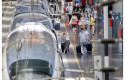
pixel 78 49
pixel 89 46
pixel 62 46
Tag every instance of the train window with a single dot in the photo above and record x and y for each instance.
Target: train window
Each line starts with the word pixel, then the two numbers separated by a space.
pixel 36 69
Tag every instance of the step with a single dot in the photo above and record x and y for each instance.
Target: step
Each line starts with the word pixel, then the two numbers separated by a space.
pixel 8 8
pixel 6 21
pixel 5 28
pixel 4 36
pixel 7 14
pixel 10 3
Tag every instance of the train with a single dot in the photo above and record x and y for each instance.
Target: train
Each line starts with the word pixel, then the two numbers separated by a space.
pixel 32 49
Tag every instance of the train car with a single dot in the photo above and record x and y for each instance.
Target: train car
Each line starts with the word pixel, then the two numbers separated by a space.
pixel 31 53
pixel 31 7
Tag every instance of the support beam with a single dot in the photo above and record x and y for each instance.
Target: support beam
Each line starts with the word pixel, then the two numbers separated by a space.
pixel 106 32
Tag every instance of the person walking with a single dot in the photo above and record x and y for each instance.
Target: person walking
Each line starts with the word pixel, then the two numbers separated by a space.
pixel 92 23
pixel 102 18
pixel 73 22
pixel 82 21
pixel 94 12
pixel 52 9
pixel 102 22
pixel 70 9
pixel 87 20
pixel 83 4
pixel 83 40
pixel 57 25
pixel 88 9
pixel 67 43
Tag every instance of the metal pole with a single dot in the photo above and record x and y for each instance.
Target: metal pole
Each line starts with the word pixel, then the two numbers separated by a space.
pixel 106 58
pixel 106 62
pixel 105 21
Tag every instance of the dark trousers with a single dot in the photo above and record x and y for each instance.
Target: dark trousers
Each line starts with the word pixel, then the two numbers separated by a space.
pixel 67 42
pixel 83 7
pixel 70 16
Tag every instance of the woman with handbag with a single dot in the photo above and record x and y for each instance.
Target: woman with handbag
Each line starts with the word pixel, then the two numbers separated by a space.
pixel 73 22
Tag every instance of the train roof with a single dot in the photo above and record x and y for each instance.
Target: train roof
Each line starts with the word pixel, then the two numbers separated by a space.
pixel 28 7
pixel 31 17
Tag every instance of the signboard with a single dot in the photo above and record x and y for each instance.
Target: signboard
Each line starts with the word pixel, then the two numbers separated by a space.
pixel 115 16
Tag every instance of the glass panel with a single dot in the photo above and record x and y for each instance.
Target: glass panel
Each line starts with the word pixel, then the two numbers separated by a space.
pixel 36 17
pixel 34 37
pixel 35 69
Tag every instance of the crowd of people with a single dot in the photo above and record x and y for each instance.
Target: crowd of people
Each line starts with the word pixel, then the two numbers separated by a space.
pixel 86 19
pixel 82 20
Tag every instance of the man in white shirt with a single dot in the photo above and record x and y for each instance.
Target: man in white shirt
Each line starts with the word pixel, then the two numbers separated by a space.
pixel 88 9
pixel 70 8
pixel 83 40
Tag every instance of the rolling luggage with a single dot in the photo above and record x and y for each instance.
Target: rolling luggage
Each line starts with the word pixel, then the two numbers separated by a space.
pixel 89 46
pixel 62 46
pixel 78 49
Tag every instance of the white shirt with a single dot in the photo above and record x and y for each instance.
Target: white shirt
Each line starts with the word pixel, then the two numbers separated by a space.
pixel 57 21
pixel 88 10
pixel 82 36
pixel 66 37
pixel 70 9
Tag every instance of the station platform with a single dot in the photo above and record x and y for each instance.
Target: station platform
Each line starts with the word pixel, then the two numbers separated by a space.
pixel 78 61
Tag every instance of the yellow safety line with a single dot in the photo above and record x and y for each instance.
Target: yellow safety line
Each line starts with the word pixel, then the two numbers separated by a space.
pixel 73 50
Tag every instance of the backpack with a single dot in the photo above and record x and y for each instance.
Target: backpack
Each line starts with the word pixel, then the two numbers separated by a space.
pixel 74 22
